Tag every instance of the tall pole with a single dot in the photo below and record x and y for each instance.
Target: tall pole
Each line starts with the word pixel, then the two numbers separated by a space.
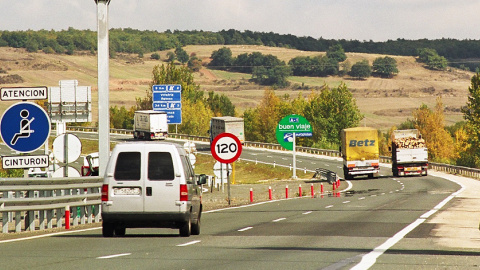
pixel 103 85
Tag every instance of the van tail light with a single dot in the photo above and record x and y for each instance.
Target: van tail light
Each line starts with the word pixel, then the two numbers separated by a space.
pixel 104 193
pixel 183 193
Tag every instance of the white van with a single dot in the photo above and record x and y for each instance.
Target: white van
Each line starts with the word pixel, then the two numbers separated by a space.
pixel 151 184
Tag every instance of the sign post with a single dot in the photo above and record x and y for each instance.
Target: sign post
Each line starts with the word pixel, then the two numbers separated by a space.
pixel 290 127
pixel 226 148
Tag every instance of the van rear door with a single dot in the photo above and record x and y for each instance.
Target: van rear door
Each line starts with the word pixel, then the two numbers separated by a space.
pixel 127 187
pixel 162 188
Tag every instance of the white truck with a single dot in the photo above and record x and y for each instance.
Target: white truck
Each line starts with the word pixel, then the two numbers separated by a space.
pixel 150 125
pixel 409 153
pixel 229 124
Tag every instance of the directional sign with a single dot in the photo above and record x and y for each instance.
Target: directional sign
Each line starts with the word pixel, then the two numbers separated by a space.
pixel 226 148
pixel 292 124
pixel 23 93
pixel 168 98
pixel 24 127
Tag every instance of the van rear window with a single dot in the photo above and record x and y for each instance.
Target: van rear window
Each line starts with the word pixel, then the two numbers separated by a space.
pixel 128 166
pixel 160 166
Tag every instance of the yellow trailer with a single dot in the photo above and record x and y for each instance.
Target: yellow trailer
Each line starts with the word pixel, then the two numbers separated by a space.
pixel 360 152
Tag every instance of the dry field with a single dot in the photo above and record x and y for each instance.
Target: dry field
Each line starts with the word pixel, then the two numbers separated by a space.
pixel 385 102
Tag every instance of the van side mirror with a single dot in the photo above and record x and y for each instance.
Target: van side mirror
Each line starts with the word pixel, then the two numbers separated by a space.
pixel 202 179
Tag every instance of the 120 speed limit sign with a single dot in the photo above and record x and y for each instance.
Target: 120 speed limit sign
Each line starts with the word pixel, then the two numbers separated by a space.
pixel 226 148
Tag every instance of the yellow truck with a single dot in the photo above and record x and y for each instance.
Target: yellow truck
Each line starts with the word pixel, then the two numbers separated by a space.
pixel 360 152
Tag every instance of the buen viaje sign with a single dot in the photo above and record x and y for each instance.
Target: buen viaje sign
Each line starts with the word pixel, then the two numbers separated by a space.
pixel 290 125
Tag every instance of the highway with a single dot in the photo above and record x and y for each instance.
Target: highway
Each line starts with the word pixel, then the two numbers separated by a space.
pixel 385 214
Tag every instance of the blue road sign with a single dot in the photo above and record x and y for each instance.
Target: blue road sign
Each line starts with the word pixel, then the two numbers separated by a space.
pixel 25 127
pixel 168 98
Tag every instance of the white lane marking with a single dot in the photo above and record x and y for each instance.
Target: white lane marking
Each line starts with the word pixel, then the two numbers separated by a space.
pixel 346 201
pixel 368 260
pixel 306 213
pixel 245 229
pixel 329 206
pixel 279 219
pixel 48 235
pixel 189 243
pixel 362 198
pixel 114 256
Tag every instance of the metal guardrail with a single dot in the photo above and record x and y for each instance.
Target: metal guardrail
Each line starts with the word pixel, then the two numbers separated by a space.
pixel 452 169
pixel 31 203
pixel 324 174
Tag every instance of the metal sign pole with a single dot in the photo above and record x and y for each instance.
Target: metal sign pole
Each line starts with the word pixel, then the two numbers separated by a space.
pixel 228 185
pixel 294 159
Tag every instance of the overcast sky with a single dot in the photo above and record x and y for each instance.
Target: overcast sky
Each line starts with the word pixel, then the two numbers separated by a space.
pixel 377 20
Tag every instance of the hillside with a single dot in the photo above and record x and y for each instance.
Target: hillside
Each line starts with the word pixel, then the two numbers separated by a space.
pixel 385 102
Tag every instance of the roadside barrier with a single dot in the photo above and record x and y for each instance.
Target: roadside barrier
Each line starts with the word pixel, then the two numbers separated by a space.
pixel 36 203
pixel 457 170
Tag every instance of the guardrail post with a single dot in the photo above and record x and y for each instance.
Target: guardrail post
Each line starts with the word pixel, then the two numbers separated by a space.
pixel 30 215
pixel 5 222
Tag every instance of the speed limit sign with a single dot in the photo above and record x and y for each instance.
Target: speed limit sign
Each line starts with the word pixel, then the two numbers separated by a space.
pixel 226 148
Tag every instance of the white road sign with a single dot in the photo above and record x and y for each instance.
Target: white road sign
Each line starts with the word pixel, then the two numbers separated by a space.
pixel 23 93
pixel 22 162
pixel 226 148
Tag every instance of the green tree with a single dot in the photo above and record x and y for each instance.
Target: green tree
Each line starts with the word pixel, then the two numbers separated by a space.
pixel 471 113
pixel 171 56
pixel 194 63
pixel 181 55
pixel 121 118
pixel 276 75
pixel 329 112
pixel 155 56
pixel 220 105
pixel 431 58
pixel 336 53
pixel 221 59
pixel 385 66
pixel 261 122
pixel 361 70
pixel 195 118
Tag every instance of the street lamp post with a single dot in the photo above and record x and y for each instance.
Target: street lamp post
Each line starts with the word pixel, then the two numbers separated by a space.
pixel 103 85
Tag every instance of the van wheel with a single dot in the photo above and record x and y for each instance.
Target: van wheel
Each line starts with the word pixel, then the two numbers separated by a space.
pixel 186 229
pixel 196 227
pixel 120 231
pixel 107 229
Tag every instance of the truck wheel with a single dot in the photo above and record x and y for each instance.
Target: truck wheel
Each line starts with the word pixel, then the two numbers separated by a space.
pixel 196 227
pixel 107 229
pixel 346 175
pixel 186 229
pixel 120 231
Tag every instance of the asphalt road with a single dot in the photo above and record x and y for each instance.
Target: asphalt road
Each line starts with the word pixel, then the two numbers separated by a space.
pixel 380 223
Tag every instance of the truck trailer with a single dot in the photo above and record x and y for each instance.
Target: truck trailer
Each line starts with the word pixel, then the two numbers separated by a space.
pixel 409 153
pixel 229 124
pixel 360 152
pixel 150 125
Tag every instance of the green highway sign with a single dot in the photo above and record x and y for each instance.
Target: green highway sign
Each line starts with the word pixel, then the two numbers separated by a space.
pixel 289 125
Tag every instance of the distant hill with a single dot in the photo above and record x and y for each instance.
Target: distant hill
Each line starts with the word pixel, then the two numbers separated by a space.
pixel 385 102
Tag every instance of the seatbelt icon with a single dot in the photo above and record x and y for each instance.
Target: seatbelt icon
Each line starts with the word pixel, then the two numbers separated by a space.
pixel 25 130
